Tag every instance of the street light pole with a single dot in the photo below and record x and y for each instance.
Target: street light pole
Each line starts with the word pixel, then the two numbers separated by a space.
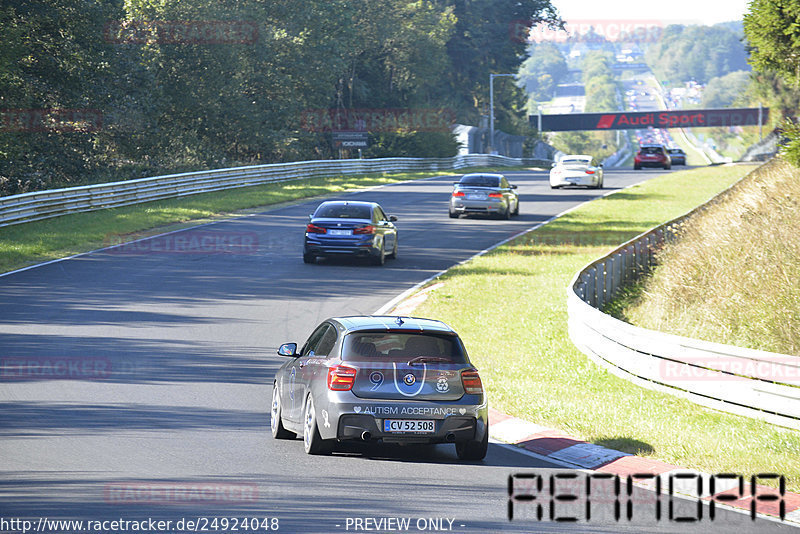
pixel 491 108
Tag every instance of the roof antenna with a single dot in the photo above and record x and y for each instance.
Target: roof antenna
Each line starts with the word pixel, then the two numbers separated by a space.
pixel 399 321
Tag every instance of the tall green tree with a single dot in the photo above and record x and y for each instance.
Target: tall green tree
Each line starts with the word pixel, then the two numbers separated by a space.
pixel 773 34
pixel 772 28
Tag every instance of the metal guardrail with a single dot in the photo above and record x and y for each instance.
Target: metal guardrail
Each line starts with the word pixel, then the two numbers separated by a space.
pixel 39 205
pixel 752 383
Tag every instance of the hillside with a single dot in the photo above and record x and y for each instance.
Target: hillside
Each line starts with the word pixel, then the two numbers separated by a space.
pixel 733 275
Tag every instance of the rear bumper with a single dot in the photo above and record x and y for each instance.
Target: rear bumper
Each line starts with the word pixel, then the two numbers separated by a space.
pixel 340 247
pixel 461 420
pixel 449 430
pixel 478 206
pixel 659 164
pixel 573 179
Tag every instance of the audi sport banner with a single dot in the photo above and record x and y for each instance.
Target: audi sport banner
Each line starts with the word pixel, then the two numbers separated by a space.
pixel 624 120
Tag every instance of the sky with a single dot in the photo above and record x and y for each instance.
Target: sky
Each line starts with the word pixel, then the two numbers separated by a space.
pixel 678 11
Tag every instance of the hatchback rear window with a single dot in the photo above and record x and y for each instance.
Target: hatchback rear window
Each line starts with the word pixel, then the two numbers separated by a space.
pixel 343 211
pixel 480 181
pixel 651 150
pixel 402 347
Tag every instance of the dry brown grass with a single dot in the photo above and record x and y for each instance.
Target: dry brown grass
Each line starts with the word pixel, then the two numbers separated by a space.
pixel 734 275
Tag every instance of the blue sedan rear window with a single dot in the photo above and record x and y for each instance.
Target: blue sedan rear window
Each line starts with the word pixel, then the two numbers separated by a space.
pixel 401 346
pixel 344 211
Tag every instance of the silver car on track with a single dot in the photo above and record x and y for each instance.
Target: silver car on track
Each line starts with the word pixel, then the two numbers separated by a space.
pixel 380 378
pixel 487 194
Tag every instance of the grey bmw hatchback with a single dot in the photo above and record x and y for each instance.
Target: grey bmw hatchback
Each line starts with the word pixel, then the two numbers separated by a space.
pixel 380 379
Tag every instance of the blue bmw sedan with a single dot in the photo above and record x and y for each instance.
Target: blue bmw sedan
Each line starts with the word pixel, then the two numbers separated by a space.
pixel 350 228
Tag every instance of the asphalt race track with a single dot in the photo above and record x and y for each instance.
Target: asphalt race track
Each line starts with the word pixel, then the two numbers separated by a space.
pixel 146 379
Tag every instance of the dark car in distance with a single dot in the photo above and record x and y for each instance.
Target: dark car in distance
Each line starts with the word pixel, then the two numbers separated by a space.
pixel 677 156
pixel 487 194
pixel 381 379
pixel 652 156
pixel 350 228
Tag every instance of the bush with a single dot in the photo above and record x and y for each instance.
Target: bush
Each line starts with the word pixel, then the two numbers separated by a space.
pixel 412 145
pixel 791 149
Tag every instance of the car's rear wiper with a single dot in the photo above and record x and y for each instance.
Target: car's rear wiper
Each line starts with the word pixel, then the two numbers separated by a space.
pixel 427 359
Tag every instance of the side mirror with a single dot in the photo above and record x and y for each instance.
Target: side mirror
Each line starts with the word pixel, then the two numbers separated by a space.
pixel 310 216
pixel 513 186
pixel 288 349
pixel 553 164
pixel 392 218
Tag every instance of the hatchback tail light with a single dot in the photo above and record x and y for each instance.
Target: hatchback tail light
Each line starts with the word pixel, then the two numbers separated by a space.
pixel 368 229
pixel 471 381
pixel 495 195
pixel 589 171
pixel 458 193
pixel 341 378
pixel 313 229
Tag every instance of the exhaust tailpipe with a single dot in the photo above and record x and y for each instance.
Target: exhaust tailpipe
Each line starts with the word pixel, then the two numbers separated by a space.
pixel 450 438
pixel 366 436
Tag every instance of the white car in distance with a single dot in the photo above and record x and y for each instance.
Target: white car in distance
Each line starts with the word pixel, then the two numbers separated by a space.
pixel 580 170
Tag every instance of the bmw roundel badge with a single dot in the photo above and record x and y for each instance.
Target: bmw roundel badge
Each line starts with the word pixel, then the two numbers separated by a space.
pixel 409 379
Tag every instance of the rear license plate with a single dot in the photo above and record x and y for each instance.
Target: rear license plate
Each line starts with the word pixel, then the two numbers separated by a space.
pixel 340 232
pixel 409 425
pixel 476 196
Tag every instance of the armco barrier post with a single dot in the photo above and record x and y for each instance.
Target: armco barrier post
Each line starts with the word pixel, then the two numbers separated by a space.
pixel 608 279
pixel 589 278
pixel 599 285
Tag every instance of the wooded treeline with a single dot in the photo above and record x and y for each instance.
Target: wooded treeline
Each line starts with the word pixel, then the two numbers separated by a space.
pixel 160 86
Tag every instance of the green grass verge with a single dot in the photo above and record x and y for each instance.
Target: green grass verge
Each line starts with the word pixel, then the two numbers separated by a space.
pixel 28 243
pixel 510 307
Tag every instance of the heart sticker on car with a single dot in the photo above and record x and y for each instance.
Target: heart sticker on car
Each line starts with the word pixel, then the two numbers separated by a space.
pixel 462 411
pixel 357 409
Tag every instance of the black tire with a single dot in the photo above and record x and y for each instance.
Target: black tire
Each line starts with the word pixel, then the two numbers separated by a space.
pixel 507 214
pixel 276 423
pixel 473 451
pixel 667 167
pixel 393 255
pixel 516 209
pixel 312 441
pixel 453 215
pixel 380 259
pixel 309 258
pixel 636 167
